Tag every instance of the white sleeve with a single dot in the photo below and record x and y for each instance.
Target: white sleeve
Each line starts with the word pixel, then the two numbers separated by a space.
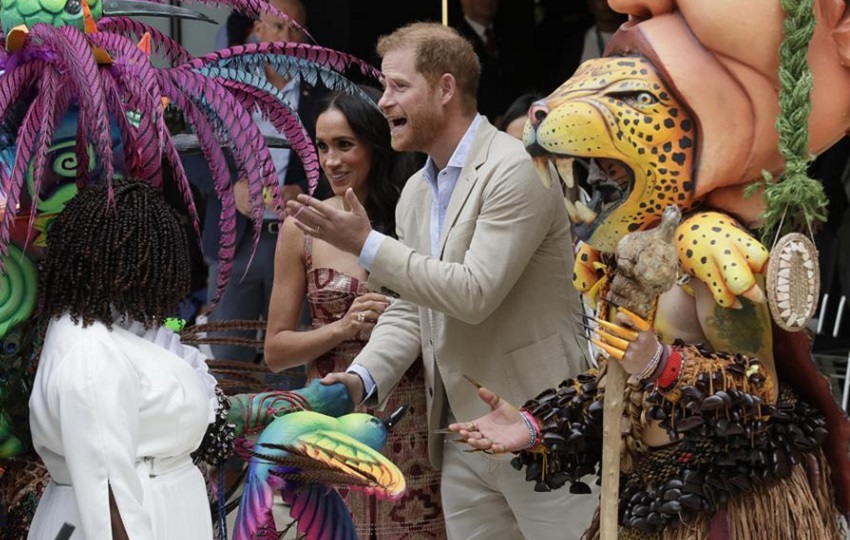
pixel 99 417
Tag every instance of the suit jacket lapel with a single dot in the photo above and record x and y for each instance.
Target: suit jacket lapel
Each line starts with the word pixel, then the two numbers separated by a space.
pixel 468 176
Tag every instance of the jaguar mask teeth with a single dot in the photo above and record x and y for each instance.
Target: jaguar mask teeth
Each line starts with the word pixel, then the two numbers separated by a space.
pixel 565 171
pixel 544 172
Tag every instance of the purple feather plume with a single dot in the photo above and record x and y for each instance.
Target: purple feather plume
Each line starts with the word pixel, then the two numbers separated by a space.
pixel 163 45
pixel 116 110
pixel 211 149
pixel 251 154
pixel 279 113
pixel 134 73
pixel 252 9
pixel 312 53
pixel 245 136
pixel 52 109
pixel 78 58
pixel 26 143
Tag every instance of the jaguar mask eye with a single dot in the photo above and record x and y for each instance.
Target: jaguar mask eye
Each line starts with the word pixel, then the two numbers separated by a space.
pixel 619 143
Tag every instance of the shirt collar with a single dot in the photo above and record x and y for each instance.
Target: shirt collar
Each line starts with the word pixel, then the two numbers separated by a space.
pixel 477 26
pixel 461 153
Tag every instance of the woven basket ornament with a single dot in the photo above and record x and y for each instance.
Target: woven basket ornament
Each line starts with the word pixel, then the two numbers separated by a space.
pixel 793 282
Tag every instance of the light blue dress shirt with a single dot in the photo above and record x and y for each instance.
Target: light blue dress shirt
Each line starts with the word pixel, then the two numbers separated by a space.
pixel 442 186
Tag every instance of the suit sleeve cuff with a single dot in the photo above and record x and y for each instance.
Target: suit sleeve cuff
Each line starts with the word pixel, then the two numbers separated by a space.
pixel 370 250
pixel 369 384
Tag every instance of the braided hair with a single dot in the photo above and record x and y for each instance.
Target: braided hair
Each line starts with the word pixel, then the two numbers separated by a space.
pixel 121 252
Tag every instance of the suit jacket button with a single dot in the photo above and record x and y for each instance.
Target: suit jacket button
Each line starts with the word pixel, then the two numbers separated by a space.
pixel 430 391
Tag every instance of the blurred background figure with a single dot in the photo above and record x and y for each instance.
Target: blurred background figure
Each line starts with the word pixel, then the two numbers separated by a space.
pixel 497 84
pixel 606 23
pixel 247 294
pixel 236 30
pixel 513 120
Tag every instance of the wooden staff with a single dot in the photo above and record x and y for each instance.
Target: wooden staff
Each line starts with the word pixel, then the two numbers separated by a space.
pixel 612 414
pixel 650 265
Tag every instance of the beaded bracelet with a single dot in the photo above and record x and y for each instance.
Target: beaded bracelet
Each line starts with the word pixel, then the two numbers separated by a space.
pixel 652 365
pixel 533 429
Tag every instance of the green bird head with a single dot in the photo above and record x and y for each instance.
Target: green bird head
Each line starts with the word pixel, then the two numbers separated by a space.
pixel 369 430
pixel 70 12
pixel 55 12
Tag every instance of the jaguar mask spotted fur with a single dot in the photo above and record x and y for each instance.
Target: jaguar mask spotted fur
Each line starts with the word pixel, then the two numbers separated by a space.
pixel 621 142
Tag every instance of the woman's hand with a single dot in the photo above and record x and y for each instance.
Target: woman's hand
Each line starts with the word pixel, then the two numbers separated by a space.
pixel 364 312
pixel 501 430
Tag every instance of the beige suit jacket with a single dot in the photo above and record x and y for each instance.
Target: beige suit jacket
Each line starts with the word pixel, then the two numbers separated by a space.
pixel 496 306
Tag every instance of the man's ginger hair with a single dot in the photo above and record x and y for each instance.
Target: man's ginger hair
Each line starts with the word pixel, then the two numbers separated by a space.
pixel 438 50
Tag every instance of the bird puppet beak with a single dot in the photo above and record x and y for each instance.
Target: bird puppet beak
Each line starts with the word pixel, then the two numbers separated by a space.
pixel 113 8
pixel 394 418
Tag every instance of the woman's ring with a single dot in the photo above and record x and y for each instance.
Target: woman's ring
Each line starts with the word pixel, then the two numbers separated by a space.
pixel 361 316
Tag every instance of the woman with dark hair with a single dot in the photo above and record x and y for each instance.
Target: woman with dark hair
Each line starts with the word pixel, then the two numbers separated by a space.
pixel 118 403
pixel 513 121
pixel 353 142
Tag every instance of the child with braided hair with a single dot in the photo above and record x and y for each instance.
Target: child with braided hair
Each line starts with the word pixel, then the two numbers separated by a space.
pixel 118 403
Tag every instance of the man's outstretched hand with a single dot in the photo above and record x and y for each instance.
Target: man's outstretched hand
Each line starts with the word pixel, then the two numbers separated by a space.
pixel 500 430
pixel 345 229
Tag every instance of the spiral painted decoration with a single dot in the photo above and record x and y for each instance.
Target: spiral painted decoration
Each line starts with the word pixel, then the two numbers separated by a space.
pixel 17 289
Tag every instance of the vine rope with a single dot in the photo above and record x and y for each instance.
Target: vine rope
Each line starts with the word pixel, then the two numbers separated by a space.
pixel 793 194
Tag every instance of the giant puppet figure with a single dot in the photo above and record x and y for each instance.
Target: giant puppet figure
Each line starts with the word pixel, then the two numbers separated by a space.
pixel 81 102
pixel 728 429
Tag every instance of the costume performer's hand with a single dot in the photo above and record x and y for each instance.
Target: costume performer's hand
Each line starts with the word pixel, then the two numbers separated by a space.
pixel 345 229
pixel 716 250
pixel 628 339
pixel 352 381
pixel 501 430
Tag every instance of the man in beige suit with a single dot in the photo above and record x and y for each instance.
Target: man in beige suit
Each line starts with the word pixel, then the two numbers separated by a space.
pixel 480 270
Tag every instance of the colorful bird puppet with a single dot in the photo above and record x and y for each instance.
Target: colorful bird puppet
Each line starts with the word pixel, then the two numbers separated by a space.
pixel 301 454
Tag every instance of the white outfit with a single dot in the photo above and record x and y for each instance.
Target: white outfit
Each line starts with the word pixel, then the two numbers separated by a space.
pixel 120 409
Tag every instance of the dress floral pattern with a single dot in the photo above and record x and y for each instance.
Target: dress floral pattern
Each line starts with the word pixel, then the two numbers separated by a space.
pixel 418 515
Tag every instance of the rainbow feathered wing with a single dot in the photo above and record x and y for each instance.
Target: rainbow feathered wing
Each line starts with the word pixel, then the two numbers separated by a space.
pixel 303 455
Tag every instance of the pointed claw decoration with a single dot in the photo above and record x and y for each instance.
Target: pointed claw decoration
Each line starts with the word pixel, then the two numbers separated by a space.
pixel 618 342
pixel 474 383
pixel 616 329
pixel 612 351
pixel 639 322
pixel 151 9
